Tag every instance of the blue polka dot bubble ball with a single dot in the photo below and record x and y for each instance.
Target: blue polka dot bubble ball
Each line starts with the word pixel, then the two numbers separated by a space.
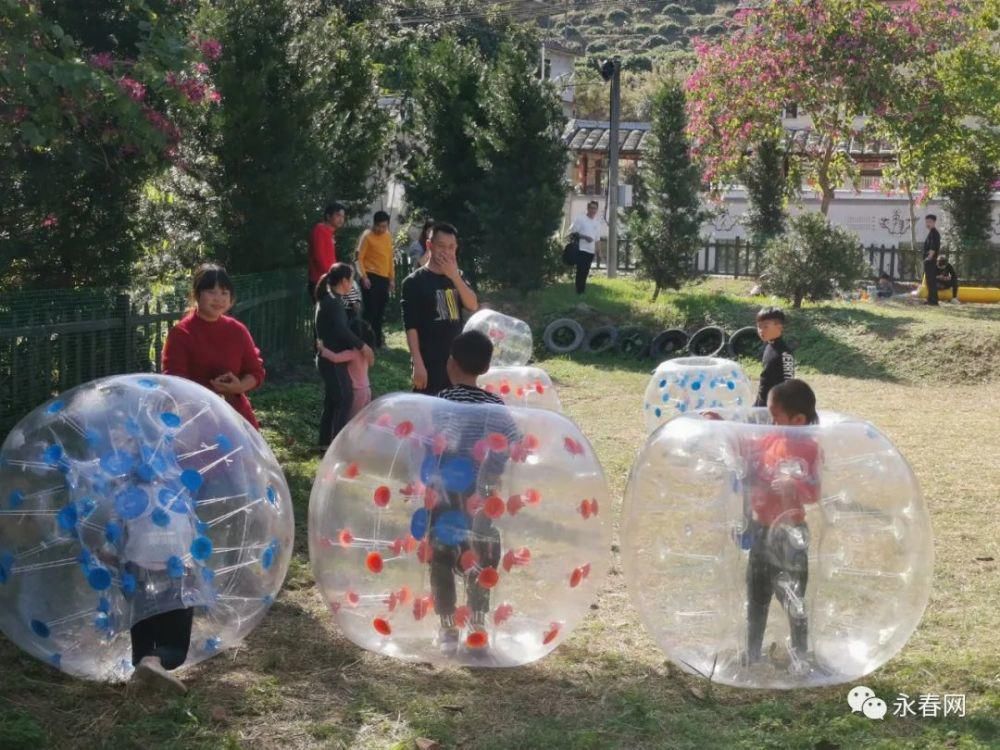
pixel 129 497
pixel 690 384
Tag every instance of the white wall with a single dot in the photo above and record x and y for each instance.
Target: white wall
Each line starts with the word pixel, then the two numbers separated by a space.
pixel 876 218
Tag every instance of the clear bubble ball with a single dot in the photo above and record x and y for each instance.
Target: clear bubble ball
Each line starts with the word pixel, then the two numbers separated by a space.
pixel 776 557
pixel 687 384
pixel 524 387
pixel 512 343
pixel 132 496
pixel 459 533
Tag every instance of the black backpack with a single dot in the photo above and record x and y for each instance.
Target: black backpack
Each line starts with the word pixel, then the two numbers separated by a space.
pixel 571 252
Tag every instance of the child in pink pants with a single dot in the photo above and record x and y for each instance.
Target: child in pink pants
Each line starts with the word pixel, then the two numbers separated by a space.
pixel 357 368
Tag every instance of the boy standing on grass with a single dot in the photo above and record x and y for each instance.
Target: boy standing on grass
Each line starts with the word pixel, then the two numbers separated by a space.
pixel 787 468
pixel 470 470
pixel 778 361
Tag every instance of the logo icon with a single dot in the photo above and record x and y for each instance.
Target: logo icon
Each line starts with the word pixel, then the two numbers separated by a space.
pixel 863 700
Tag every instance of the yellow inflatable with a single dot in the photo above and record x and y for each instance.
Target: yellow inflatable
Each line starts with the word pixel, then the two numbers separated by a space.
pixel 982 294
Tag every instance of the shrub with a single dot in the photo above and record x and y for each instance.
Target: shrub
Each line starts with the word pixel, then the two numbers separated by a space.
pixel 638 62
pixel 812 261
pixel 670 30
pixel 674 10
pixel 715 28
pixel 702 6
pixel 656 41
pixel 618 17
pixel 596 47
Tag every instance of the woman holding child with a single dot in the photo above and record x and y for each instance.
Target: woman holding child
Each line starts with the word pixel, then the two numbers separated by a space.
pixel 342 356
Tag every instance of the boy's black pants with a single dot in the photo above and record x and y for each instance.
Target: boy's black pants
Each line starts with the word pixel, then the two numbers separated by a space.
pixel 166 635
pixel 374 300
pixel 778 566
pixel 338 397
pixel 484 541
pixel 583 263
pixel 930 278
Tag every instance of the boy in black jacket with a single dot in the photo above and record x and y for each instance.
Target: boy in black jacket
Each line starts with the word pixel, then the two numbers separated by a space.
pixel 947 278
pixel 779 364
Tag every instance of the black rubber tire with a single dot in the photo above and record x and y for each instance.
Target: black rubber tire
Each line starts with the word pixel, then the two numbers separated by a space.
pixel 668 344
pixel 707 342
pixel 558 326
pixel 601 339
pixel 745 343
pixel 634 342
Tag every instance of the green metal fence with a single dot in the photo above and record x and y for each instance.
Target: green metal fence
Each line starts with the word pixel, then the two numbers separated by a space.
pixel 54 340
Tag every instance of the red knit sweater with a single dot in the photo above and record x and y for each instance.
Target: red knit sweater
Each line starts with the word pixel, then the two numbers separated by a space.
pixel 202 351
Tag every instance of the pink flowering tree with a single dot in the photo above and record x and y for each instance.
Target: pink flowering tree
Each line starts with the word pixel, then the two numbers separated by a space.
pixel 836 59
pixel 93 102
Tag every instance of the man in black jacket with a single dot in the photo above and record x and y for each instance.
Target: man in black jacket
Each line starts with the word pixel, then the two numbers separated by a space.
pixel 932 246
pixel 779 364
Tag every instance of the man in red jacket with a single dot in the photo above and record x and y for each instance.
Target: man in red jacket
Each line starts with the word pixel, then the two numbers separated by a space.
pixel 323 244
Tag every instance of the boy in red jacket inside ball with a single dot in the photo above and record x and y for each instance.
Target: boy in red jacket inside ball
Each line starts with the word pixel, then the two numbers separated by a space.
pixel 785 467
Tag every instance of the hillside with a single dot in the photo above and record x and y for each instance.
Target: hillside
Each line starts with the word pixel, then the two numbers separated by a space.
pixel 643 32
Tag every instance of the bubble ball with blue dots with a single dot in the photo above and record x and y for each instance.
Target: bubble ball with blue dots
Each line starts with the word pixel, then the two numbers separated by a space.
pixel 690 384
pixel 131 496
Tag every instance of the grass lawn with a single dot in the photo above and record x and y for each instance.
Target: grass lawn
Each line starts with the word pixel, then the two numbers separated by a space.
pixel 928 378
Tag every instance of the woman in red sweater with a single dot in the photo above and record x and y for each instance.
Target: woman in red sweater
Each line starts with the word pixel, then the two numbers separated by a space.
pixel 213 349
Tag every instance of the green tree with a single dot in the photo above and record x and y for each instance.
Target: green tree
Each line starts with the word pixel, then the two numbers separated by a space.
pixel 442 172
pixel 812 260
pixel 667 220
pixel 301 125
pixel 520 201
pixel 767 192
pixel 969 203
pixel 484 153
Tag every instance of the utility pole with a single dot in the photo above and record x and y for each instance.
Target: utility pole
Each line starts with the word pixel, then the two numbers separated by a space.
pixel 612 70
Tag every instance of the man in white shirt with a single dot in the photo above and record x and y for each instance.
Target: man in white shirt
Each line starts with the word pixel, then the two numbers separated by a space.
pixel 588 231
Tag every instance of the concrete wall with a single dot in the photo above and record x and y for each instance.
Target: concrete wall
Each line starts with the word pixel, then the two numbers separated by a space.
pixel 876 218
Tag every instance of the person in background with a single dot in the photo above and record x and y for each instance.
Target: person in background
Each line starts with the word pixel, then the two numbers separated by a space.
pixel 932 247
pixel 588 231
pixel 323 244
pixel 777 359
pixel 433 298
pixel 946 277
pixel 377 268
pixel 357 363
pixel 418 250
pixel 884 288
pixel 335 335
pixel 213 349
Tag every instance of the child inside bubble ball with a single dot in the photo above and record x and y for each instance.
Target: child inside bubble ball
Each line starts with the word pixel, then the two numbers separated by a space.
pixel 474 555
pixel 785 470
